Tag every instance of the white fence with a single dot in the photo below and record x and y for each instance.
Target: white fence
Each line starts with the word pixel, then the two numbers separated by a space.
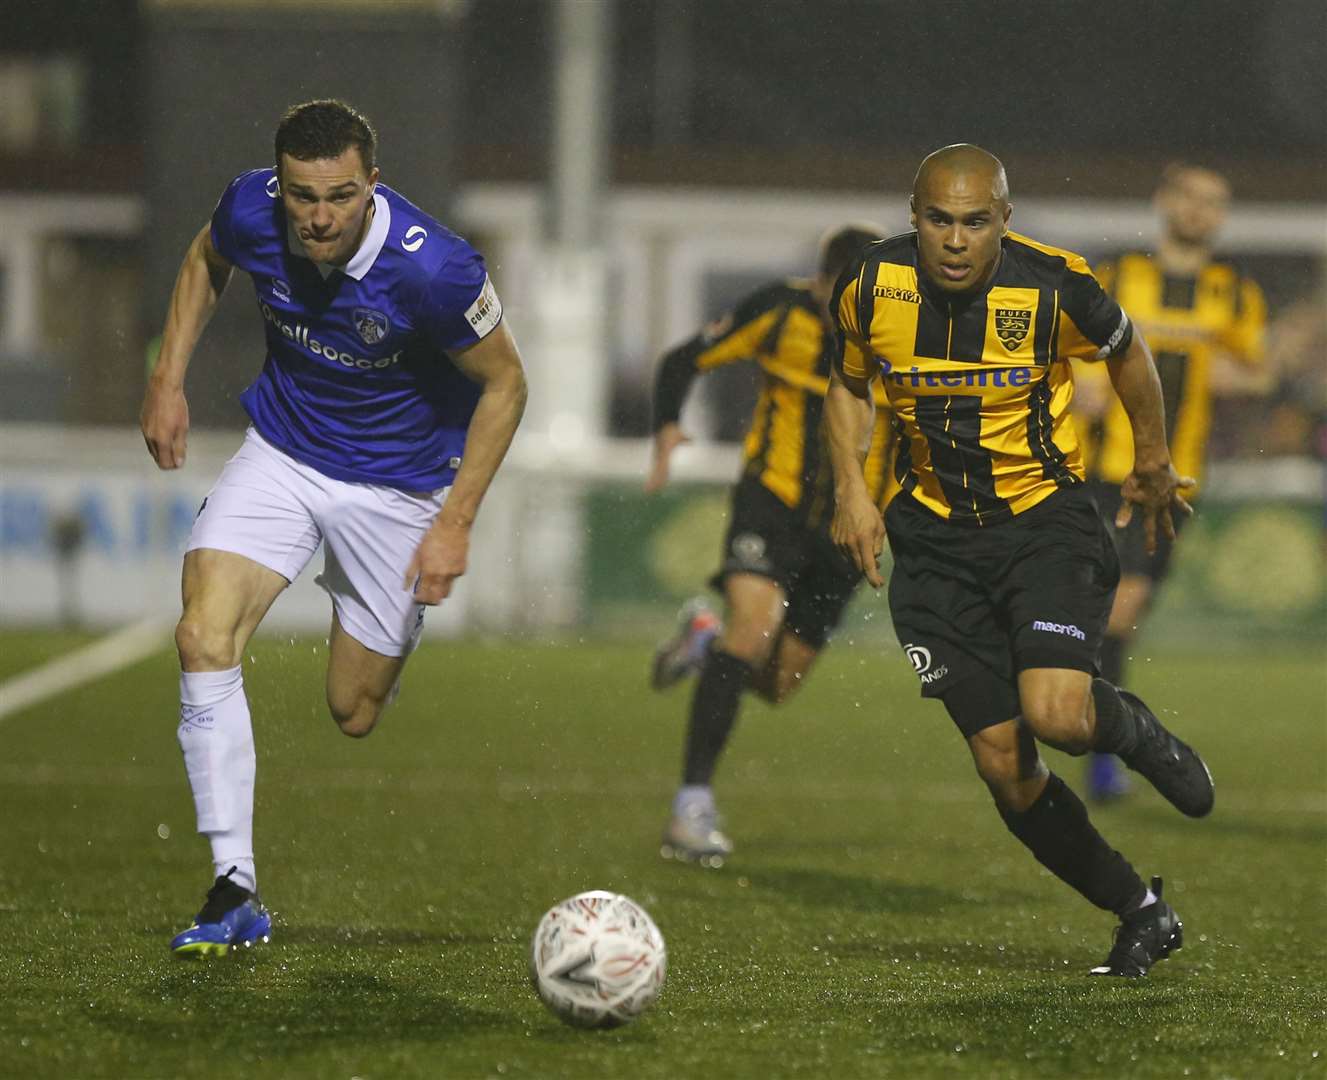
pixel 134 520
pixel 549 550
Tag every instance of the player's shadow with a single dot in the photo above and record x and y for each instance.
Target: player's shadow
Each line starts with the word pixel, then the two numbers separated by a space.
pixel 965 955
pixel 352 937
pixel 1299 832
pixel 367 937
pixel 851 892
pixel 358 1009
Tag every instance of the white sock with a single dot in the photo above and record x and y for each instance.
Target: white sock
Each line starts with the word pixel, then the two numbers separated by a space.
pixel 693 799
pixel 1149 898
pixel 216 736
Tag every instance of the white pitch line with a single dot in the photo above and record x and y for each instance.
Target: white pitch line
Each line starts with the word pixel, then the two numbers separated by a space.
pixel 125 646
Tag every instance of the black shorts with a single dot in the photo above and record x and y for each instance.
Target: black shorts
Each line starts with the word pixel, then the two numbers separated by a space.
pixel 771 540
pixel 1131 542
pixel 973 607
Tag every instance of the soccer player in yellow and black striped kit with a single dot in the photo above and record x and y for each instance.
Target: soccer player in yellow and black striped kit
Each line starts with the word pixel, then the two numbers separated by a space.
pixel 784 584
pixel 1003 571
pixel 1198 312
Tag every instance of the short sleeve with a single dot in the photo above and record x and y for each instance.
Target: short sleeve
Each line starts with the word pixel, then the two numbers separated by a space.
pixel 1092 326
pixel 852 354
pixel 744 332
pixel 244 216
pixel 1246 333
pixel 1105 274
pixel 224 234
pixel 460 307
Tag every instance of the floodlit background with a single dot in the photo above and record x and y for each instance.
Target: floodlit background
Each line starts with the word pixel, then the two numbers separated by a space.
pixel 628 169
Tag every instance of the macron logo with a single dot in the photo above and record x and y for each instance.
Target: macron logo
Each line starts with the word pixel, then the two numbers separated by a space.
pixel 1059 628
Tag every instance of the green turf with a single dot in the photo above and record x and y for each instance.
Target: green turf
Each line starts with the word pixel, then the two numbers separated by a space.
pixel 23 652
pixel 877 919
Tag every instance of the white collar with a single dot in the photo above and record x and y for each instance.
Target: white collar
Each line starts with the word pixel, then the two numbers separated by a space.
pixel 362 261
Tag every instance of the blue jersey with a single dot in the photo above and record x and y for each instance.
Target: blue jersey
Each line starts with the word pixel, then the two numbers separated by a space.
pixel 357 382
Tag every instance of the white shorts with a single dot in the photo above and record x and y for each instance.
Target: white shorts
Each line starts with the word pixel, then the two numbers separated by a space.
pixel 274 510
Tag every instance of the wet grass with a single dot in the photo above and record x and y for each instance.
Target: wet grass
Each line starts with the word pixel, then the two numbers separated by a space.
pixel 877 920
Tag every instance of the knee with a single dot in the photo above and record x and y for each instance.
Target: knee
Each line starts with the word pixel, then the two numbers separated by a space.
pixel 203 646
pixel 1058 717
pixel 750 643
pixel 998 766
pixel 1012 771
pixel 357 718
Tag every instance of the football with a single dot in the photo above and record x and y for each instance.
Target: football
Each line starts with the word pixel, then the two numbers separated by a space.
pixel 597 960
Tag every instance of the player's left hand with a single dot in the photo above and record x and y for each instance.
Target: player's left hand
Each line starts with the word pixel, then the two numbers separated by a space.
pixel 1156 491
pixel 438 561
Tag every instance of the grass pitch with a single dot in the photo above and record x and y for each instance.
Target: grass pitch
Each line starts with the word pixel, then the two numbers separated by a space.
pixel 877 920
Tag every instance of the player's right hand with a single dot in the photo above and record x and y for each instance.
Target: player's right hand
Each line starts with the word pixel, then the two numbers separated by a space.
pixel 1158 492
pixel 165 424
pixel 859 532
pixel 667 439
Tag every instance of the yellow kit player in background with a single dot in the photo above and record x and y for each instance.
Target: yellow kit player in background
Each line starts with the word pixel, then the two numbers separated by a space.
pixel 784 585
pixel 1205 322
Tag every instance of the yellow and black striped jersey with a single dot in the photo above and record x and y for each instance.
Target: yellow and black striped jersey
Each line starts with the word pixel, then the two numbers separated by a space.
pixel 980 384
pixel 1187 319
pixel 781 328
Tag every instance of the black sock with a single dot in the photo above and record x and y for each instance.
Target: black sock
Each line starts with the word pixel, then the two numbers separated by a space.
pixel 1116 727
pixel 1056 830
pixel 1112 659
pixel 713 713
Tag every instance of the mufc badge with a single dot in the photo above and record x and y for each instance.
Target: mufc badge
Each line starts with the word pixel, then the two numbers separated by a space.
pixel 372 325
pixel 1012 326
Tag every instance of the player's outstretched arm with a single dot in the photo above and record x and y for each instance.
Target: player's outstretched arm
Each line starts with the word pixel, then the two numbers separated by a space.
pixel 673 376
pixel 1153 485
pixel 441 556
pixel 164 419
pixel 857 529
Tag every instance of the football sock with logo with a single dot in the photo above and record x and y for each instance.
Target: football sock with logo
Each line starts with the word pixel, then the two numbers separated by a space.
pixel 713 714
pixel 1057 831
pixel 216 736
pixel 1116 730
pixel 1112 659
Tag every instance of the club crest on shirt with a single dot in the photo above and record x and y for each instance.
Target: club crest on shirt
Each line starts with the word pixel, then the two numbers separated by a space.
pixel 372 325
pixel 1012 326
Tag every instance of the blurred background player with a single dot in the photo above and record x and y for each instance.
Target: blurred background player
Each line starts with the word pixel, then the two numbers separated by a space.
pixel 389 396
pixel 1003 573
pixel 1204 321
pixel 784 585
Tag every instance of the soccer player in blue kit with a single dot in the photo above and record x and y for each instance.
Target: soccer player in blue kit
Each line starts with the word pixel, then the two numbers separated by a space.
pixel 389 396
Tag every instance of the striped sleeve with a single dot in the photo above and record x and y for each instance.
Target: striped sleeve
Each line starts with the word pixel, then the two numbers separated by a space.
pixel 739 334
pixel 1092 325
pixel 852 355
pixel 1245 335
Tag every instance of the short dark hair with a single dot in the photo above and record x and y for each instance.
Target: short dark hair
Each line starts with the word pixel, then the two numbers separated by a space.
pixel 323 129
pixel 1174 172
pixel 839 247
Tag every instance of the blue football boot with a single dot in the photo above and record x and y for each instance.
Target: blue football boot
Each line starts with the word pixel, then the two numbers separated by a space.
pixel 1106 779
pixel 232 917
